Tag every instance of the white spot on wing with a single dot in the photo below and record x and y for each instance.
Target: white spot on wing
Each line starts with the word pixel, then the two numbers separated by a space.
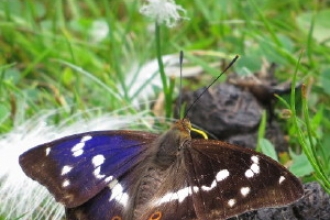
pixel 113 183
pixel 97 173
pixel 179 195
pixel 78 146
pixel 221 175
pixel 66 169
pixel 78 149
pixel 255 159
pixel 65 183
pixel 183 193
pixel 231 202
pixel 208 188
pixel 195 189
pixel 109 178
pixel 281 179
pixel 78 153
pixel 245 191
pixel 47 151
pixel 249 173
pixel 254 168
pixel 98 160
pixel 86 138
pixel 117 193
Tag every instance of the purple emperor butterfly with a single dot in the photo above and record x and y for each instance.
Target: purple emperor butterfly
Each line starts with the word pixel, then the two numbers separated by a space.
pixel 133 175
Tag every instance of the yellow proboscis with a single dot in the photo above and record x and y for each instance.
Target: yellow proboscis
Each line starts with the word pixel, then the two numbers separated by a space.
pixel 200 132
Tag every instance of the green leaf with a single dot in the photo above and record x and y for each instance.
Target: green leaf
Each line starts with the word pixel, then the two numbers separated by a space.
pixel 301 165
pixel 325 80
pixel 4 112
pixel 267 148
pixel 321 29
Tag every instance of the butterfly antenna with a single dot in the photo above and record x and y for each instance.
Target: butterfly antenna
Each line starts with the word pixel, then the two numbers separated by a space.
pixel 180 88
pixel 200 95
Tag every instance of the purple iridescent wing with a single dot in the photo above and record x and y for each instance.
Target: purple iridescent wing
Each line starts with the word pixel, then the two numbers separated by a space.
pixel 107 204
pixel 78 167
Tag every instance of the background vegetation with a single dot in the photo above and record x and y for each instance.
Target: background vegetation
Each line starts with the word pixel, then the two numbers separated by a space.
pixel 43 45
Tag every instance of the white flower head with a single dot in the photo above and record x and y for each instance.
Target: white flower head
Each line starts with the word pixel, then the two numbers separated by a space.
pixel 163 11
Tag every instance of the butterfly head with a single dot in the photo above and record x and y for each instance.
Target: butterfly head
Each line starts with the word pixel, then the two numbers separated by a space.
pixel 183 127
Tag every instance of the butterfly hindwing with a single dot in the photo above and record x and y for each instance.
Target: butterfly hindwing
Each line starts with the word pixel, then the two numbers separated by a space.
pixel 109 203
pixel 77 167
pixel 231 180
pixel 165 204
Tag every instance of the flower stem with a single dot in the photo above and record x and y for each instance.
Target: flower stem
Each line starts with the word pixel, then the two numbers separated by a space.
pixel 166 88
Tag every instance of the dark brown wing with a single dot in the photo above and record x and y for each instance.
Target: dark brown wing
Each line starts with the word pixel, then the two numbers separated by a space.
pixel 232 180
pixel 215 180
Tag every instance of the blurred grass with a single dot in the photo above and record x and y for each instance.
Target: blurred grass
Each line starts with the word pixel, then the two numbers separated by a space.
pixel 44 43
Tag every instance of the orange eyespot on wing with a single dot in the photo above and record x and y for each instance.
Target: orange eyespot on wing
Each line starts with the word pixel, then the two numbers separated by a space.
pixel 157 215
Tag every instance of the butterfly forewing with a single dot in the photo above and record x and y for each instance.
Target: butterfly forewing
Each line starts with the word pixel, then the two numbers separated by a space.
pixel 232 180
pixel 77 167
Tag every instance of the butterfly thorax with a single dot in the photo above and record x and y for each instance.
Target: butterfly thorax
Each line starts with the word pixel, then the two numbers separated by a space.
pixel 169 145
